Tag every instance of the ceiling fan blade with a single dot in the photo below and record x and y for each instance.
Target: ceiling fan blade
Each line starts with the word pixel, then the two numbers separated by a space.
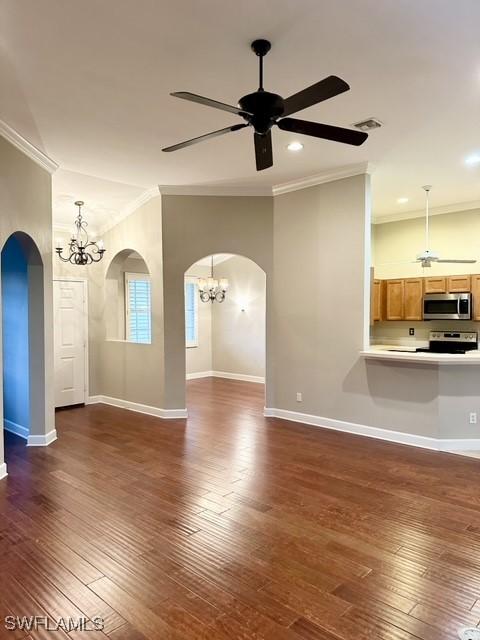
pixel 263 150
pixel 206 136
pixel 208 102
pixel 318 92
pixel 325 131
pixel 457 261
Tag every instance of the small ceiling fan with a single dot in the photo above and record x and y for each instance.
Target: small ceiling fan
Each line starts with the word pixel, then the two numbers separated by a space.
pixel 262 109
pixel 427 257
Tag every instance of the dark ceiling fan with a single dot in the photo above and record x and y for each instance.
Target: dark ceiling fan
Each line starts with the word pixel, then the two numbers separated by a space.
pixel 262 109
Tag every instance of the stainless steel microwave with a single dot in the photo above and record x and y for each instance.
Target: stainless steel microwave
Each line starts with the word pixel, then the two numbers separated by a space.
pixel 447 306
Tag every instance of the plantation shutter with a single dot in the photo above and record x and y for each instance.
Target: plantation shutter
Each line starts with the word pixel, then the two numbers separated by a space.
pixel 191 313
pixel 138 308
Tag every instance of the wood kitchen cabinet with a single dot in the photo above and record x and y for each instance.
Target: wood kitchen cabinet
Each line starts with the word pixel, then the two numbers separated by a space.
pixel 475 289
pixel 377 299
pixel 458 284
pixel 413 299
pixel 394 299
pixel 436 284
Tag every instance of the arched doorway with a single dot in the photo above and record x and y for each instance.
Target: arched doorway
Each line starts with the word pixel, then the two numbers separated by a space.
pixel 23 339
pixel 225 328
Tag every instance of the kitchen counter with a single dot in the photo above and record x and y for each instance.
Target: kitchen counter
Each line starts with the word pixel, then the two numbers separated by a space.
pixel 382 352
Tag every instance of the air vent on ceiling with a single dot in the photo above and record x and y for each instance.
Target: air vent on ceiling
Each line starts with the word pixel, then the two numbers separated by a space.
pixel 368 125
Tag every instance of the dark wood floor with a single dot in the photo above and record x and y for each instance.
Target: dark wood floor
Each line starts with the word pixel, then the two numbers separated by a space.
pixel 233 526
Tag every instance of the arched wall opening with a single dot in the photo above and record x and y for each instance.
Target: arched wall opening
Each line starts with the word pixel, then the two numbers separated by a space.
pixel 198 226
pixel 128 309
pixel 23 337
pixel 225 337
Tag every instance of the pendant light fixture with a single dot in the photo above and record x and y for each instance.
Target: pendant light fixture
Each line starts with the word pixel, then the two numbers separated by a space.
pixel 212 290
pixel 82 251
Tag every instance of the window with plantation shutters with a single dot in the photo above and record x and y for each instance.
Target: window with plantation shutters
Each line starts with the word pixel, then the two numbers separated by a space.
pixel 191 313
pixel 138 308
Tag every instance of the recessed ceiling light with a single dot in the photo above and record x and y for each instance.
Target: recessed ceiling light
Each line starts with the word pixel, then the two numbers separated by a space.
pixel 402 200
pixel 473 159
pixel 295 146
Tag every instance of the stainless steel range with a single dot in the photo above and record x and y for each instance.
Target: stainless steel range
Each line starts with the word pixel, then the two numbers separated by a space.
pixel 451 342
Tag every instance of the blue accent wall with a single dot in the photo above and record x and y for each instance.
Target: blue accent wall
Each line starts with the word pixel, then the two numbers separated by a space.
pixel 15 334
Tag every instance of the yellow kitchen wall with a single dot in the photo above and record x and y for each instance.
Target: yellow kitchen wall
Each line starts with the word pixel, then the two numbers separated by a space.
pixel 453 235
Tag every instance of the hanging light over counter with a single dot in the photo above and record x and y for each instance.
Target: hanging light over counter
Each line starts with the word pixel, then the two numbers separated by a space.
pixel 82 251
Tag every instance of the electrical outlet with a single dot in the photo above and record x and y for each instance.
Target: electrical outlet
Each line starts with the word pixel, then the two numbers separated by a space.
pixel 299 396
pixel 473 417
pixel 411 331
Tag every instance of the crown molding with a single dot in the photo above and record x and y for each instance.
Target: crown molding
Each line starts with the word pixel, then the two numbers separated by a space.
pixel 278 189
pixel 455 207
pixel 132 206
pixel 212 190
pixel 26 147
pixel 321 178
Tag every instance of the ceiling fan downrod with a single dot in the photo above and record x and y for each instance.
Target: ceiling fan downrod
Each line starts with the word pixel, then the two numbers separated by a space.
pixel 261 48
pixel 427 188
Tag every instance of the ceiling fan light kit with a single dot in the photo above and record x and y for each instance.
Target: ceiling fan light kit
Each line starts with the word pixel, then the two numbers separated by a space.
pixel 262 109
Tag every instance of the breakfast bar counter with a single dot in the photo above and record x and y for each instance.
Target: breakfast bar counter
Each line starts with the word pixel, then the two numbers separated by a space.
pixel 406 354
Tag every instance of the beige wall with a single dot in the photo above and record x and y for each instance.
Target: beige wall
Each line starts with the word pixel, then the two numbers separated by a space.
pixel 25 205
pixel 195 227
pixel 239 336
pixel 452 235
pixel 320 240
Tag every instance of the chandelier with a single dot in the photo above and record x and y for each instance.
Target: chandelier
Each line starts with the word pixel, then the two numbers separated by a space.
pixel 82 250
pixel 212 290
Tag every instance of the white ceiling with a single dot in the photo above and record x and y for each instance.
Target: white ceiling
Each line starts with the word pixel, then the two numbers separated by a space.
pixel 89 85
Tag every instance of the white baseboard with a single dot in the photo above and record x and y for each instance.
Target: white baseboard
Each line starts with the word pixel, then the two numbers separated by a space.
pixel 166 414
pixel 43 440
pixel 199 374
pixel 225 374
pixel 437 444
pixel 15 428
pixel 457 444
pixel 3 470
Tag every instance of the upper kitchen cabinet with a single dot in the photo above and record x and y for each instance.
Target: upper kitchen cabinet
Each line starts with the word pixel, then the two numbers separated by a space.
pixel 436 284
pixel 475 288
pixel 413 299
pixel 394 299
pixel 459 284
pixel 377 300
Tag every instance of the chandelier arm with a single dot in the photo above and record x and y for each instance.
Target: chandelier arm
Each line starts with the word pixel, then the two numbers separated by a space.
pixel 96 252
pixel 59 253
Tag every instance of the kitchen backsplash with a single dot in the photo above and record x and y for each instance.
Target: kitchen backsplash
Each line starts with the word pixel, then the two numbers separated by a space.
pixel 397 332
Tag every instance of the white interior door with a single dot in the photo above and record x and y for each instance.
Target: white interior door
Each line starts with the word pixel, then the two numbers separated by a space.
pixel 70 342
